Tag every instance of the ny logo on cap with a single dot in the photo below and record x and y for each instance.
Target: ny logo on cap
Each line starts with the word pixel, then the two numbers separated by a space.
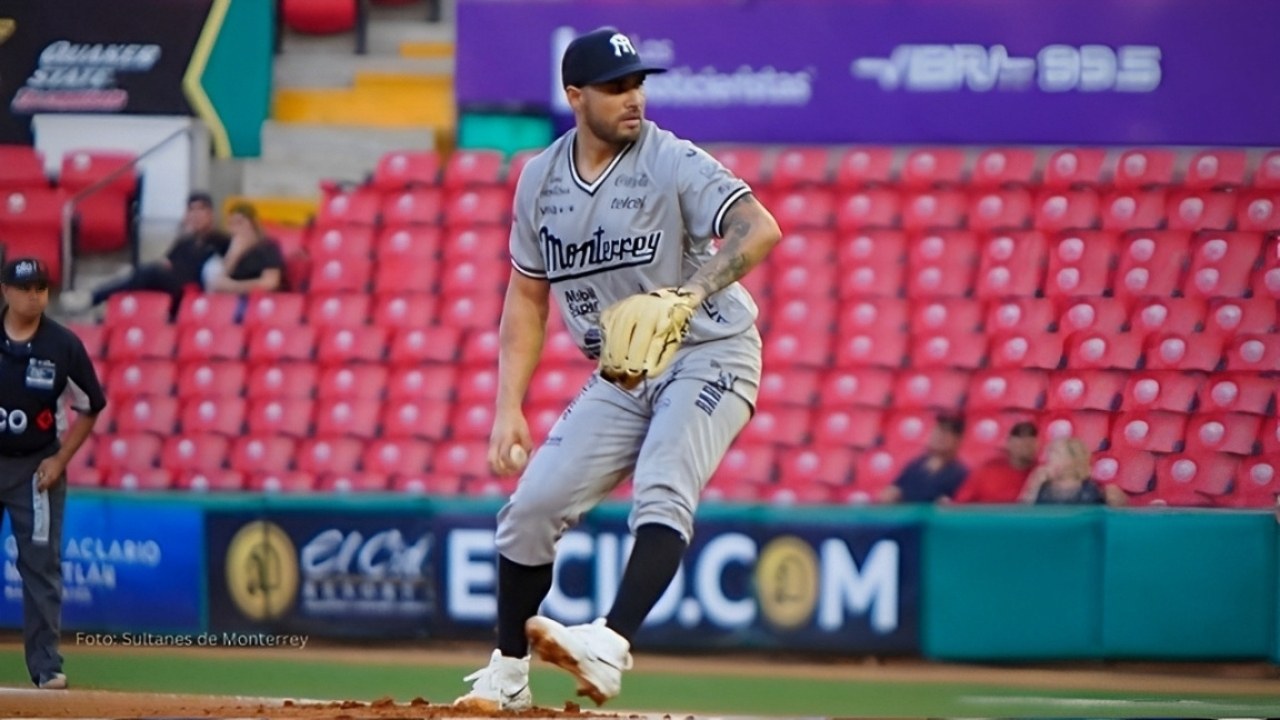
pixel 621 45
pixel 24 269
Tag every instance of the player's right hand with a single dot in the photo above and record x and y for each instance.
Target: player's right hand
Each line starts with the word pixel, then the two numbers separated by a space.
pixel 509 429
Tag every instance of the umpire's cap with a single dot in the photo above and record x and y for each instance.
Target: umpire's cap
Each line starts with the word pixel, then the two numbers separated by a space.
pixel 25 271
pixel 602 56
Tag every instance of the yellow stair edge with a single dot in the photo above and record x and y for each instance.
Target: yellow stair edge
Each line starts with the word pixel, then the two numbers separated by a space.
pixel 388 106
pixel 376 79
pixel 417 50
pixel 294 211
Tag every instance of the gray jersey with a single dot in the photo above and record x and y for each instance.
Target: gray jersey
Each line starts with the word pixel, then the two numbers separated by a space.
pixel 645 223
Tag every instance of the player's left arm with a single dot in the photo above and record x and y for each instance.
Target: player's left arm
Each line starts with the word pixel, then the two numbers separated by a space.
pixel 749 234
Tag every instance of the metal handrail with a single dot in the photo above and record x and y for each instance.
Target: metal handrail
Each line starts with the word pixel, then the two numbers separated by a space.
pixel 69 207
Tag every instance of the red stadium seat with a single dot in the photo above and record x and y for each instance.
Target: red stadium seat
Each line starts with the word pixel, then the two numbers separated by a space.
pixel 804 208
pixel 477 384
pixel 1074 167
pixel 948 314
pixel 156 414
pixel 800 166
pixel 1258 210
pixel 1133 209
pixel 471 312
pixel 1093 349
pixel 210 481
pixel 1000 210
pixel 1096 314
pixel 1153 431
pixel 340 207
pixel 1253 352
pixel 426 484
pixel 275 309
pixel 339 242
pixel 1212 432
pixel 940 389
pixel 472 419
pixel 281 482
pixel 133 341
pixel 31 226
pixel 1267 176
pixel 866 165
pixel 1085 390
pixel 319 17
pixel 907 431
pixel 868 208
pixel 516 166
pixel 876 315
pixel 339 345
pixel 1193 479
pixel 467 277
pixel 403 310
pixel 104 218
pixel 1222 263
pixel 941 266
pixel 1172 315
pixel 426 382
pixel 217 342
pixel 207 309
pixel 262 453
pixel 1257 483
pixel 1021 315
pixel 462 458
pixel 1151 262
pixel 217 415
pixel 1210 169
pixel 1236 392
pixel 747 463
pixel 875 471
pixel 798 467
pixel 1092 427
pixel 1239 315
pixel 745 162
pixel 1000 167
pixel 1012 265
pixel 416 206
pixel 542 419
pixel 1133 471
pixel 320 456
pixel 949 349
pixel 1176 351
pixel 426 418
pixel 194 452
pixel 144 480
pixel 289 416
pixel 804 347
pixel 21 166
pixel 1200 210
pixel 986 432
pixel 348 418
pixel 1066 210
pixel 352 381
pixel 417 244
pixel 858 279
pixel 1270 436
pixel 282 380
pixel 867 387
pixel 933 166
pixel 349 482
pixel 852 426
pixel 137 307
pixel 214 378
pixel 1160 390
pixel 139 377
pixel 808 247
pixel 478 205
pixel 337 309
pixel 93 336
pixel 412 346
pixel 933 209
pixel 350 273
pixel 1142 168
pixel 480 242
pixel 396 457
pixel 1007 390
pixel 132 451
pixel 863 349
pixel 272 344
pixel 480 347
pixel 401 170
pixel 778 425
pixel 1026 350
pixel 781 386
pixel 466 168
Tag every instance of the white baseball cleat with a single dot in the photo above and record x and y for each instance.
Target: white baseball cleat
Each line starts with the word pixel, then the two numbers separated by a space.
pixel 593 653
pixel 53 681
pixel 502 685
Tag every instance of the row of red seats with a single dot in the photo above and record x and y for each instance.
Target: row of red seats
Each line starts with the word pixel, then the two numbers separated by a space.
pixel 370 206
pixel 1018 208
pixel 853 167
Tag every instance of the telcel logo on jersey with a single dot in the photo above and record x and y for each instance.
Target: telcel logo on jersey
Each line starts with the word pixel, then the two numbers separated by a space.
pixel 566 260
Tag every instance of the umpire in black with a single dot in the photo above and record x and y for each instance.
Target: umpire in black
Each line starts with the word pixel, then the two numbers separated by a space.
pixel 39 361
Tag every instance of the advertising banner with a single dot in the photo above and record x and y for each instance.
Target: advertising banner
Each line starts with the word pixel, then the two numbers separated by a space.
pixel 321 572
pixel 126 567
pixel 848 587
pixel 971 71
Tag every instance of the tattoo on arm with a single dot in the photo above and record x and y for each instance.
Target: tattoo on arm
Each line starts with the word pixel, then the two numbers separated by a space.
pixel 739 252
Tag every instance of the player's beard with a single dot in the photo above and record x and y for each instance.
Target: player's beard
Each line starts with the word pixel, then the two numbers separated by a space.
pixel 612 132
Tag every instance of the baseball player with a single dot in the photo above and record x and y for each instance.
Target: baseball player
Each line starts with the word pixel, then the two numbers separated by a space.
pixel 39 360
pixel 614 221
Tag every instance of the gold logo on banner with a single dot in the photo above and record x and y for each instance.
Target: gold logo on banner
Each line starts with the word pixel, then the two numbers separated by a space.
pixel 262 570
pixel 787 581
pixel 8 26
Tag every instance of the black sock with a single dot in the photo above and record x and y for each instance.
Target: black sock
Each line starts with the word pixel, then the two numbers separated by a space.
pixel 521 589
pixel 655 558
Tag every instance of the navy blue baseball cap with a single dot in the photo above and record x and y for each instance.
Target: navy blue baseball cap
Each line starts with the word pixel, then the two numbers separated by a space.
pixel 602 56
pixel 25 271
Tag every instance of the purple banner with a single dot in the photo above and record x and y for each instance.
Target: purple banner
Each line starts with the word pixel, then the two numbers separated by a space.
pixel 1182 72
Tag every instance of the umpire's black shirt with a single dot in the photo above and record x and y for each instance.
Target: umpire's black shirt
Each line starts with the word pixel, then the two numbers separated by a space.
pixel 33 375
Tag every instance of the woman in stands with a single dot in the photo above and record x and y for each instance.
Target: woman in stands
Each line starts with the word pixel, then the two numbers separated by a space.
pixel 253 262
pixel 1063 478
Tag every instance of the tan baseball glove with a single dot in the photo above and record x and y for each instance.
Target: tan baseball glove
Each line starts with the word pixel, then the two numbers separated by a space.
pixel 641 335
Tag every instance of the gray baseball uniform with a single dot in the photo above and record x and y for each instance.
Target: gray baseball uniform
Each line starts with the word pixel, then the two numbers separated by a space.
pixel 645 223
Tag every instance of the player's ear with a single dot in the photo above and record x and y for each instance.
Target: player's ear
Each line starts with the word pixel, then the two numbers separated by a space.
pixel 573 94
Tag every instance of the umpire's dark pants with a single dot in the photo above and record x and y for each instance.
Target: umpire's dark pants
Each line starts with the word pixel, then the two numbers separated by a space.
pixel 39 560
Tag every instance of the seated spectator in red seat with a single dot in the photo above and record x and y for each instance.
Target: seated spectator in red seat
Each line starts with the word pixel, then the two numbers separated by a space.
pixel 200 240
pixel 1002 480
pixel 253 262
pixel 937 473
pixel 1064 478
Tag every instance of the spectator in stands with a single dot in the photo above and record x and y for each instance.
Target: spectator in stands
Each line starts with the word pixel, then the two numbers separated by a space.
pixel 1003 479
pixel 936 474
pixel 252 262
pixel 1064 478
pixel 181 267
